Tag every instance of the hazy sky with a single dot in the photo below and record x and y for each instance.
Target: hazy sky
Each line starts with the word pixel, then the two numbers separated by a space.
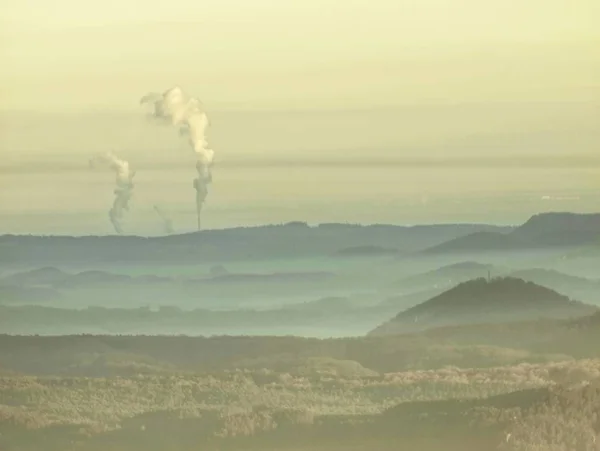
pixel 291 54
pixel 378 81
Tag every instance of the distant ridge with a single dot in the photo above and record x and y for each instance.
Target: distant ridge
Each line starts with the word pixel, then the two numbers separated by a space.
pixel 292 225
pixel 39 276
pixel 360 251
pixel 481 300
pixel 453 273
pixel 587 322
pixel 552 278
pixel 55 278
pixel 557 222
pixel 545 230
pixel 576 287
pixel 296 239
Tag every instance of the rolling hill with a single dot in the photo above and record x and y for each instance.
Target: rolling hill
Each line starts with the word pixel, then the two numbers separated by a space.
pixel 102 288
pixel 552 278
pixel 250 243
pixel 485 301
pixel 546 230
pixel 575 287
pixel 448 275
pixel 365 251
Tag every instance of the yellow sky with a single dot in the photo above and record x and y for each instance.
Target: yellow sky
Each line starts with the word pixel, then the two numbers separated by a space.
pixel 311 79
pixel 290 54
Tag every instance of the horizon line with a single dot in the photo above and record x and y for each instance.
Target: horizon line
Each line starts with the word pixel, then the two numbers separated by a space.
pixel 228 107
pixel 269 225
pixel 476 162
pixel 300 224
pixel 304 224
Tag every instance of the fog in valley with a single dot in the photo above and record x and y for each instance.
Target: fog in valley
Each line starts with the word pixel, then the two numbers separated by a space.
pixel 340 336
pixel 291 279
pixel 271 225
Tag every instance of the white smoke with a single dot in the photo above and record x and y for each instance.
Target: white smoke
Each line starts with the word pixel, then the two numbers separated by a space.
pixel 167 222
pixel 187 114
pixel 124 189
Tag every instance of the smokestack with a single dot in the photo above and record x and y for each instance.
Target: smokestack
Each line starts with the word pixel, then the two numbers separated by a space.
pixel 186 113
pixel 167 223
pixel 123 190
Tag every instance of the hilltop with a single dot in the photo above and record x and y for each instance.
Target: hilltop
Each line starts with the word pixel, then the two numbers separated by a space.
pixel 545 230
pixel 575 287
pixel 552 278
pixel 486 301
pixel 449 274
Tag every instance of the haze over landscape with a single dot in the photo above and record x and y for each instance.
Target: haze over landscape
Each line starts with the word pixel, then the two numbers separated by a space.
pixel 271 225
pixel 364 104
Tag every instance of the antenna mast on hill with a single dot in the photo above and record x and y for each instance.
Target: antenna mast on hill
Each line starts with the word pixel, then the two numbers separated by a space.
pixel 489 275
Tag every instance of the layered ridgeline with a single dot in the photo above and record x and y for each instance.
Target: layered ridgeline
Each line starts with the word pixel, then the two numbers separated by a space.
pixel 298 239
pixel 483 300
pixel 204 287
pixel 546 230
pixel 295 239
pixel 445 277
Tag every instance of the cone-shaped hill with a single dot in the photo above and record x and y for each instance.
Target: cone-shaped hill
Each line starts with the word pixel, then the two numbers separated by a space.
pixel 480 300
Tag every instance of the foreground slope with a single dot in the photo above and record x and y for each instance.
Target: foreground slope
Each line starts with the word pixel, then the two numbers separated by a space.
pixel 475 345
pixel 109 394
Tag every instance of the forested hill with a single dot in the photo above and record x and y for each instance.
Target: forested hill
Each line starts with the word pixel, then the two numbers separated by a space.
pixel 482 301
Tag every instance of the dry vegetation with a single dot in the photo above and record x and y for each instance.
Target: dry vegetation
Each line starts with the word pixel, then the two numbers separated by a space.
pixel 314 403
pixel 520 387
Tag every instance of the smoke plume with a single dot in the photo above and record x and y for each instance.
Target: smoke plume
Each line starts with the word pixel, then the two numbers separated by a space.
pixel 167 223
pixel 186 113
pixel 124 189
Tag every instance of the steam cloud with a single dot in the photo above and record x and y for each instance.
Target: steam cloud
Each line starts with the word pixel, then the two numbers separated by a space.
pixel 124 189
pixel 167 223
pixel 186 113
